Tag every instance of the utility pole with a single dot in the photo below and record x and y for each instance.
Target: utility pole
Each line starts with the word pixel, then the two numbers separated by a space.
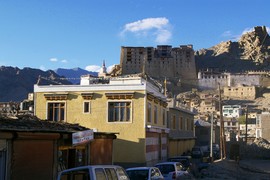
pixel 222 133
pixel 211 140
pixel 246 135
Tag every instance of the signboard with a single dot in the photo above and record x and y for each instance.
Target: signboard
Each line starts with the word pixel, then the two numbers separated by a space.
pixel 82 137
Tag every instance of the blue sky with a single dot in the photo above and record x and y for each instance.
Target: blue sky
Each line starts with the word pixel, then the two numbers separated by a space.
pixel 54 34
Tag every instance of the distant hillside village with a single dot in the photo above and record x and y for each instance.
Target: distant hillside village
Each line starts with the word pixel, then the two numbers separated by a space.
pixel 155 104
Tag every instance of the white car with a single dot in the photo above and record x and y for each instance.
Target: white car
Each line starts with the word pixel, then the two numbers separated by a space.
pixel 95 172
pixel 144 173
pixel 172 170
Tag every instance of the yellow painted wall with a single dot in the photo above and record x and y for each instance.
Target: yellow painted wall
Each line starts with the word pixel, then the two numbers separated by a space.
pixel 177 147
pixel 130 143
pixel 159 116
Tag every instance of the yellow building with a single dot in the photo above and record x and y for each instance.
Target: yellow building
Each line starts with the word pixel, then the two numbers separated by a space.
pixel 132 107
pixel 181 124
pixel 240 92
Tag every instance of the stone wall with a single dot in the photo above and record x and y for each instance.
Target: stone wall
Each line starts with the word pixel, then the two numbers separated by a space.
pixel 160 62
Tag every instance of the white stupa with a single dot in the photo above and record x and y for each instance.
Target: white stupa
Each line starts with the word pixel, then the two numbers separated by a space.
pixel 103 70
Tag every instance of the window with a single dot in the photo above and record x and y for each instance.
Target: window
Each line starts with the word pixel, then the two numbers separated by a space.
pixel 149 117
pixel 80 174
pixel 181 123
pixel 185 124
pixel 188 124
pixel 258 133
pixel 163 117
pixel 173 122
pixel 100 174
pixel 155 114
pixel 56 111
pixel 111 173
pixel 119 111
pixel 86 107
pixel 258 121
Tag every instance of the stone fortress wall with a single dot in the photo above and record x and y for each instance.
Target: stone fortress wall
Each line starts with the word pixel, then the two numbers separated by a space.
pixel 161 62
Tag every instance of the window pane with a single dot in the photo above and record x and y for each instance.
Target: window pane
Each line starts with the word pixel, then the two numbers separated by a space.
pixel 50 112
pixel 149 112
pixel 122 113
pixel 119 111
pixel 86 107
pixel 128 114
pixel 100 174
pixel 62 115
pixel 111 173
pixel 116 117
pixel 56 111
pixel 56 114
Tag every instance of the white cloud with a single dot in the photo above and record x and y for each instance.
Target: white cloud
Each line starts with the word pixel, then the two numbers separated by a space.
pixel 64 61
pixel 227 34
pixel 146 24
pixel 53 59
pixel 110 68
pixel 247 30
pixel 96 68
pixel 236 37
pixel 42 68
pixel 93 68
pixel 163 36
pixel 160 27
pixel 268 30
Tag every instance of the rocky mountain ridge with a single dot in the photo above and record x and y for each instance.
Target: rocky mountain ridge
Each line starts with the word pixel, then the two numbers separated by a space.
pixel 74 75
pixel 15 83
pixel 250 52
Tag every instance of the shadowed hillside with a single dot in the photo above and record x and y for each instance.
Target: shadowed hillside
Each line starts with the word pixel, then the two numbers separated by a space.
pixel 15 83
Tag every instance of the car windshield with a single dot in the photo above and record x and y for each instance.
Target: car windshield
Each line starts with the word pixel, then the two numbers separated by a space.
pixel 166 168
pixel 138 174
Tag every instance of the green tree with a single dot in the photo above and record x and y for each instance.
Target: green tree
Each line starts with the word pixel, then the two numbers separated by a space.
pixel 242 119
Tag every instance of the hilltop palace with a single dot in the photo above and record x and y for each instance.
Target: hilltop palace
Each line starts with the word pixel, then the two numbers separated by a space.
pixel 177 66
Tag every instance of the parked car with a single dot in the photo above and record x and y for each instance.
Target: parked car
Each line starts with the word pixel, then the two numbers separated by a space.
pixel 172 170
pixel 144 173
pixel 215 151
pixel 197 152
pixel 94 172
pixel 184 160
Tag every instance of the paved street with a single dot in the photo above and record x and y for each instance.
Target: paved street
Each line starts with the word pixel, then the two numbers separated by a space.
pixel 230 169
